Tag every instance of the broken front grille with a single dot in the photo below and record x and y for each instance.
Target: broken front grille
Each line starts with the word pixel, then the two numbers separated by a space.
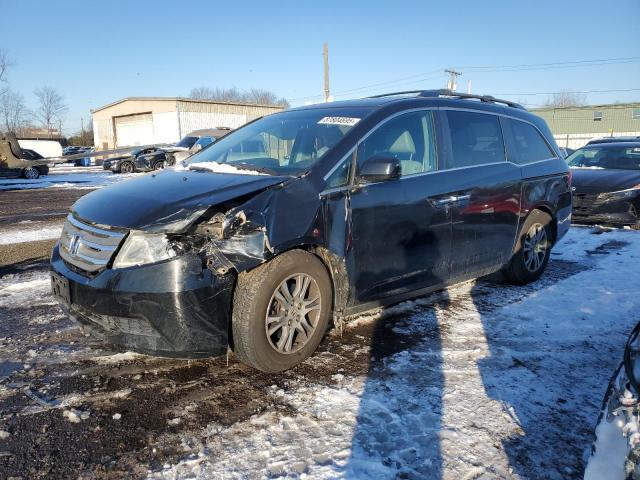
pixel 87 247
pixel 583 203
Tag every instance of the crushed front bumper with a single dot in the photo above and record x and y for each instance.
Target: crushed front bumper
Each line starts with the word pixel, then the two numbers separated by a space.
pixel 589 209
pixel 175 308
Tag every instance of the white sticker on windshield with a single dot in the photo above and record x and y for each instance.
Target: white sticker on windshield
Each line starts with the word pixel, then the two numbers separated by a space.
pixel 350 121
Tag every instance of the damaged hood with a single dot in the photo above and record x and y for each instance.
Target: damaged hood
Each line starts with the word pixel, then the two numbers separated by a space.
pixel 599 180
pixel 160 201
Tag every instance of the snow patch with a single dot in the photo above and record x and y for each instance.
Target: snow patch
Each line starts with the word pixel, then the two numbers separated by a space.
pixel 219 168
pixel 10 237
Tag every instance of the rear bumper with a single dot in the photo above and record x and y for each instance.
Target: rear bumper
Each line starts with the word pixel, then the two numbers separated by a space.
pixel 174 309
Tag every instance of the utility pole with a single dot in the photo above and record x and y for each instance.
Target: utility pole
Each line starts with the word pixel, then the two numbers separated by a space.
pixel 325 54
pixel 453 76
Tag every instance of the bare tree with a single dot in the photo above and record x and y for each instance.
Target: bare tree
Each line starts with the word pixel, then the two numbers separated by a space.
pixel 51 107
pixel 14 114
pixel 5 63
pixel 565 98
pixel 254 95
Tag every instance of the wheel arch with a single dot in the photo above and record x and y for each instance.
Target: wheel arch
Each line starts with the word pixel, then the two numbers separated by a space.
pixel 542 208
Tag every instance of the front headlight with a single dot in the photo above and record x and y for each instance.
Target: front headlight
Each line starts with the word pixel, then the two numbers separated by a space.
pixel 144 248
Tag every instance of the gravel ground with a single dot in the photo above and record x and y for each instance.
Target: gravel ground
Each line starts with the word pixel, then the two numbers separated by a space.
pixel 481 381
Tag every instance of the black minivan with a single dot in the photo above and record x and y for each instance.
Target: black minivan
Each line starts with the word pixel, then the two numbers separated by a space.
pixel 311 215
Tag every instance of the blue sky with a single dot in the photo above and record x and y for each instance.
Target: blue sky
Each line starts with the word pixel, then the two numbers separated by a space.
pixel 97 52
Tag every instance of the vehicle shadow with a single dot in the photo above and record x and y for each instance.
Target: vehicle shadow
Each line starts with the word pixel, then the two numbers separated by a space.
pixel 398 424
pixel 397 432
pixel 525 371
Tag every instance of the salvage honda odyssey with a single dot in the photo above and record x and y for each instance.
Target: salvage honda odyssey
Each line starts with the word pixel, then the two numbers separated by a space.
pixel 311 215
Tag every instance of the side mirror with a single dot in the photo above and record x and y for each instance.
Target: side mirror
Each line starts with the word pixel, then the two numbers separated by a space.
pixel 380 168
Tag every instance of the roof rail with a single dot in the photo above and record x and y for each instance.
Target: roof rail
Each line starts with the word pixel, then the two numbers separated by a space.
pixel 450 93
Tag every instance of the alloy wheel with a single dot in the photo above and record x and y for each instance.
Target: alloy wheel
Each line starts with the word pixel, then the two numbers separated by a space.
pixel 31 173
pixel 293 313
pixel 535 247
pixel 126 168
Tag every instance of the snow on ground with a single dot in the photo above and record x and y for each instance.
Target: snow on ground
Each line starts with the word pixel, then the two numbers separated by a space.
pixel 11 236
pixel 482 380
pixel 30 288
pixel 497 385
pixel 67 177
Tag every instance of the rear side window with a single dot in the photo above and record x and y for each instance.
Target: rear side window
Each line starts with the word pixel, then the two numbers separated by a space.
pixel 528 143
pixel 476 138
pixel 409 138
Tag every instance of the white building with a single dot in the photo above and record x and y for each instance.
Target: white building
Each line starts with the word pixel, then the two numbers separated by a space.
pixel 147 120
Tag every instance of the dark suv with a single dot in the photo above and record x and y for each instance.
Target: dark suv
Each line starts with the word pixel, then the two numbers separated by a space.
pixel 310 215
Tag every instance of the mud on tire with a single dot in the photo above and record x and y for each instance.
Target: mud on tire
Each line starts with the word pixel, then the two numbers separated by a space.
pixel 522 268
pixel 261 305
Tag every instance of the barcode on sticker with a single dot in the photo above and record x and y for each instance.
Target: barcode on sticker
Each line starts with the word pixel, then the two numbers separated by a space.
pixel 350 121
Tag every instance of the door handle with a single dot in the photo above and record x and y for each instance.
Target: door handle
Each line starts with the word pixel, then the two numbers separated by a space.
pixel 451 199
pixel 462 198
pixel 444 201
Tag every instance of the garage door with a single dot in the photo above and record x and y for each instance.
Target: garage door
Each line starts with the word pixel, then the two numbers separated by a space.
pixel 134 130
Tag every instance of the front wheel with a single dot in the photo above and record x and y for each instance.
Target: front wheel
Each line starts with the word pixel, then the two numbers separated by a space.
pixel 281 311
pixel 532 251
pixel 158 165
pixel 31 173
pixel 126 167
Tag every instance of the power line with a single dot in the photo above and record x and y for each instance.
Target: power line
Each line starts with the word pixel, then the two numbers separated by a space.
pixel 565 63
pixel 580 91
pixel 373 85
pixel 487 69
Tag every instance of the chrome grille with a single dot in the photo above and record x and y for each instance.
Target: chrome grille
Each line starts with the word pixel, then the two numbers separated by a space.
pixel 87 247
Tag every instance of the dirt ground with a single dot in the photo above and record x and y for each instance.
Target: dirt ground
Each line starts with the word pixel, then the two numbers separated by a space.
pixel 72 408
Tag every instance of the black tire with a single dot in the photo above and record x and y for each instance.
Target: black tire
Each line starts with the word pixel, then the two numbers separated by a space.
pixel 127 167
pixel 31 173
pixel 522 269
pixel 255 295
pixel 159 165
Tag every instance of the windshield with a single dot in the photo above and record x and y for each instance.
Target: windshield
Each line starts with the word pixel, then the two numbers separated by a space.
pixel 606 157
pixel 187 142
pixel 287 143
pixel 204 141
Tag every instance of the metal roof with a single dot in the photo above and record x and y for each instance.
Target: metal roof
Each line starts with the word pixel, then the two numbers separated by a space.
pixel 183 99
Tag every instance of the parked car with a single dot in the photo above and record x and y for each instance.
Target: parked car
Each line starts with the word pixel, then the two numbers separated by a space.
pixel 28 172
pixel 616 449
pixel 126 163
pixel 168 156
pixel 310 215
pixel 606 184
pixel 566 151
pixel 614 140
pixel 74 149
pixel 156 160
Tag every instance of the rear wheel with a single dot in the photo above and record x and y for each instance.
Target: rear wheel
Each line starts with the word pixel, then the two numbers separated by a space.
pixel 281 311
pixel 126 167
pixel 532 251
pixel 31 173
